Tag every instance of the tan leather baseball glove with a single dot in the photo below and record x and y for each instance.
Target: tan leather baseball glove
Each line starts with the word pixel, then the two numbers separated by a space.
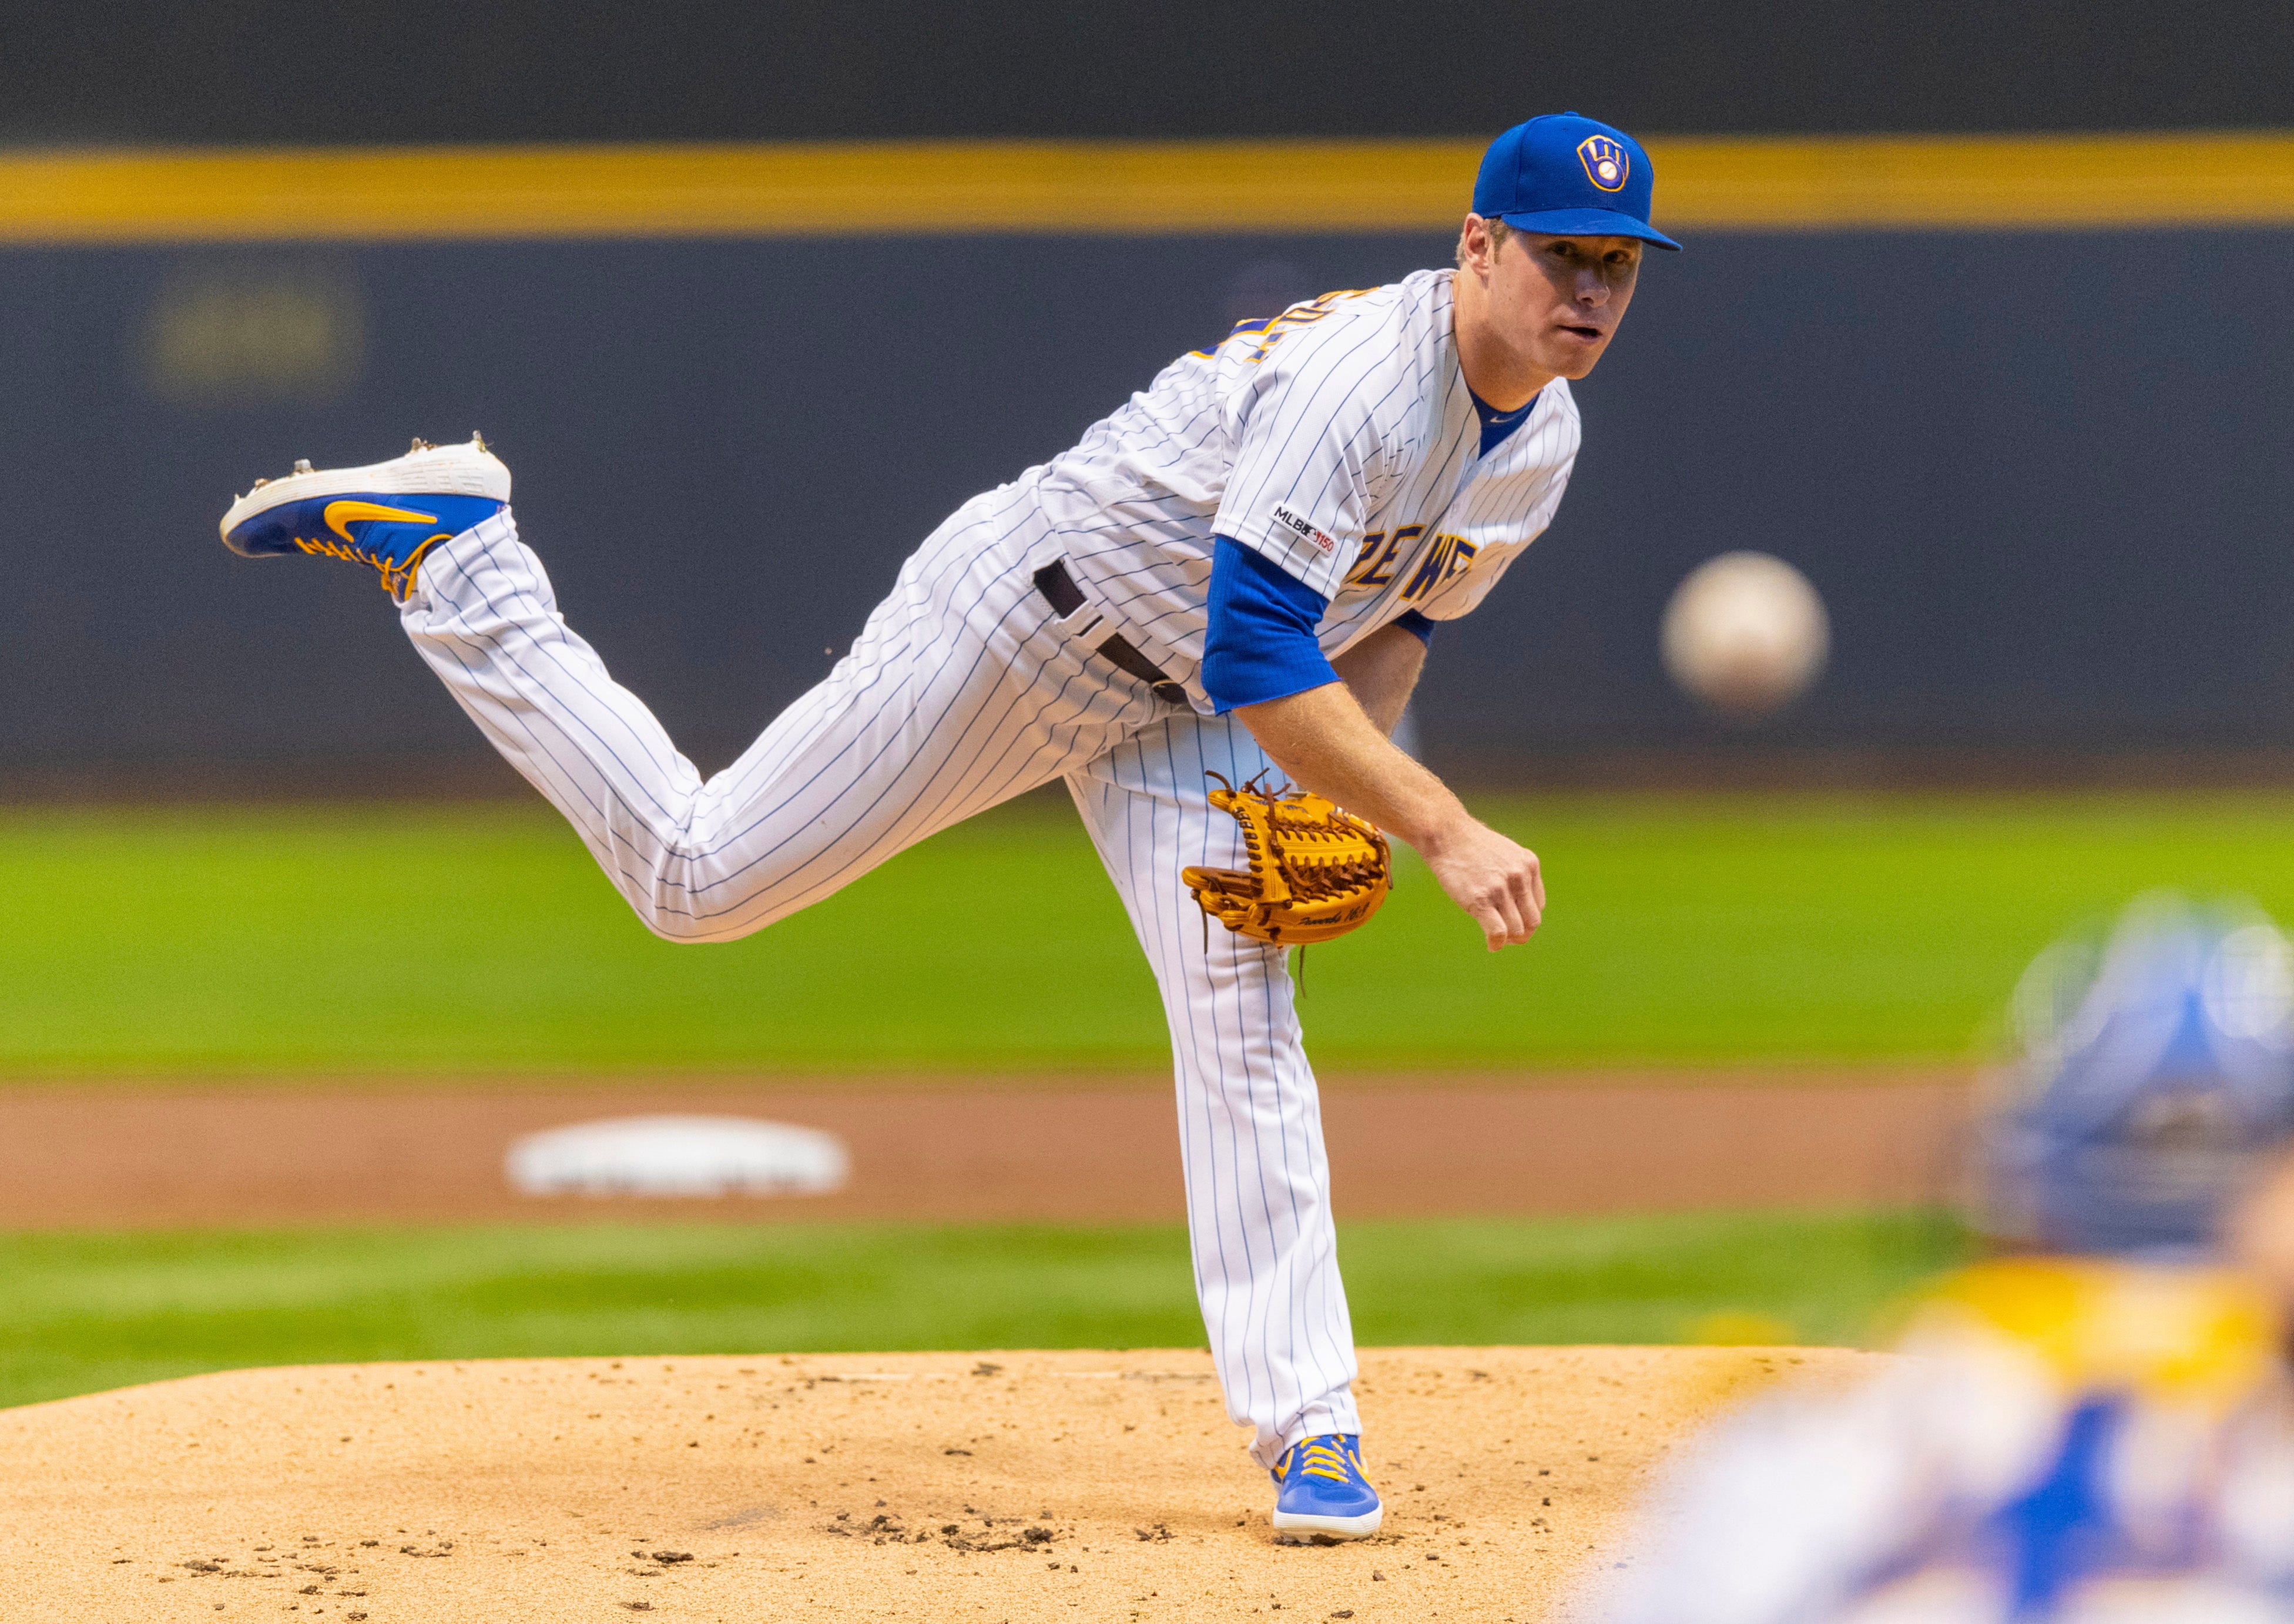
pixel 1315 871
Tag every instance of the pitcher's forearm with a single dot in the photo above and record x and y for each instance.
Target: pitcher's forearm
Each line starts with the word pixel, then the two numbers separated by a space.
pixel 1382 670
pixel 1326 741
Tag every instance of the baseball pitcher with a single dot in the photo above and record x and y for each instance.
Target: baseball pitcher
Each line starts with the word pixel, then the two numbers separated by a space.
pixel 1232 579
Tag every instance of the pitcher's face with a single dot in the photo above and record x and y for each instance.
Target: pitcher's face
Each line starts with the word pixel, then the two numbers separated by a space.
pixel 1555 301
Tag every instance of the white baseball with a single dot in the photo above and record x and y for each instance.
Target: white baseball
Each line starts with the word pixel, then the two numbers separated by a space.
pixel 1746 633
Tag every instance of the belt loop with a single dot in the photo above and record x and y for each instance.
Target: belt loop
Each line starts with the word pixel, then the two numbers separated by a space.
pixel 1067 600
pixel 1080 618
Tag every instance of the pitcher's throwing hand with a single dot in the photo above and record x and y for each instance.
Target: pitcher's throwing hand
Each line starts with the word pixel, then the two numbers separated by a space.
pixel 1493 879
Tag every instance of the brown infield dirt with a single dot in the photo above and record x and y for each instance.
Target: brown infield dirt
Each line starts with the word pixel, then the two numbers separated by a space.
pixel 1079 1151
pixel 919 1486
pixel 990 1486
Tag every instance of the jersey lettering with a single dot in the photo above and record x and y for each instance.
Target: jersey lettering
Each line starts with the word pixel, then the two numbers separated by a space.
pixel 1270 329
pixel 1375 566
pixel 1445 556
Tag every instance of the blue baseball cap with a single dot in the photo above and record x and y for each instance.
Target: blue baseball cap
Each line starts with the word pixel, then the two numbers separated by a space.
pixel 1568 175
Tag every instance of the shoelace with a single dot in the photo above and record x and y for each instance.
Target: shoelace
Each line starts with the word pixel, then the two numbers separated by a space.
pixel 396 578
pixel 349 553
pixel 1319 1460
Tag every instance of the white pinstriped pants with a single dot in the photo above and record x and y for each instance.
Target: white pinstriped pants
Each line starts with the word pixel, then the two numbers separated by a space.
pixel 962 691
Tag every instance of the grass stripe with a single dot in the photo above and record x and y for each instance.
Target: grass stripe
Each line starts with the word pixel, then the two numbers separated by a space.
pixel 411 940
pixel 93 1310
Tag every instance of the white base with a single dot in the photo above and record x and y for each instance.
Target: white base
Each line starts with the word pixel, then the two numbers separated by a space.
pixel 441 470
pixel 1302 1527
pixel 679 1155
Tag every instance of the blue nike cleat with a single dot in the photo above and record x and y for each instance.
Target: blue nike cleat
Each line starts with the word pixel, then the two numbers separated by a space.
pixel 1321 1494
pixel 384 516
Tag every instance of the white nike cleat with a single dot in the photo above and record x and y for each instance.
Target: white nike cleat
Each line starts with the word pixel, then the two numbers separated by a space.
pixel 385 516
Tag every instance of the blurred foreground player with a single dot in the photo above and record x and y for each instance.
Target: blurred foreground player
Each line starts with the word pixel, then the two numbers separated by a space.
pixel 2095 1427
pixel 1237 572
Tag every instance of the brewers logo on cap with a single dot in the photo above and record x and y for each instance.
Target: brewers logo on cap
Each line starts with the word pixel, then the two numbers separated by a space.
pixel 1605 161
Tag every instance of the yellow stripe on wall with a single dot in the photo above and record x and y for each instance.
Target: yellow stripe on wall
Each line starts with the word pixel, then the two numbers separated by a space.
pixel 1997 181
pixel 732 190
pixel 408 194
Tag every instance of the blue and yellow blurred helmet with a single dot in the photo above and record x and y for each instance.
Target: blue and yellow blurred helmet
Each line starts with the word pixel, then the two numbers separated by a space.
pixel 2156 1072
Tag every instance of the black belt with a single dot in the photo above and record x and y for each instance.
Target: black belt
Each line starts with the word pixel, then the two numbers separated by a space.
pixel 1065 598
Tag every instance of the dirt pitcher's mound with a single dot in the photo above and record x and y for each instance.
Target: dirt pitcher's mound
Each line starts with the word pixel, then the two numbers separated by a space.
pixel 920 1486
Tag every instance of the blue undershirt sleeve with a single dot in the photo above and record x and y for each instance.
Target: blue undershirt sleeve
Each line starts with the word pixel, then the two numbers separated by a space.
pixel 1261 641
pixel 1417 625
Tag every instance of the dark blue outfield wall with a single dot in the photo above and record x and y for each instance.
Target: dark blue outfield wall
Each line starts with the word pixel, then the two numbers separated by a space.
pixel 2043 481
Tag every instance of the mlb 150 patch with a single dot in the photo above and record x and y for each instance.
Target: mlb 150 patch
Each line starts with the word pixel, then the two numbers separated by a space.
pixel 1322 541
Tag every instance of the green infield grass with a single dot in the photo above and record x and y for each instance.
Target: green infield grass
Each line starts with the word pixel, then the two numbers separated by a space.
pixel 428 938
pixel 83 1313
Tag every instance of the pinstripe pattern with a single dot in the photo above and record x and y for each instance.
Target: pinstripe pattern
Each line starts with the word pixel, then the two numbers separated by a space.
pixel 959 693
pixel 963 689
pixel 1359 420
pixel 1250 1124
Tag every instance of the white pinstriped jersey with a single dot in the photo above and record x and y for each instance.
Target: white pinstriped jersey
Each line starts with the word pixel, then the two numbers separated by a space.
pixel 1339 441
